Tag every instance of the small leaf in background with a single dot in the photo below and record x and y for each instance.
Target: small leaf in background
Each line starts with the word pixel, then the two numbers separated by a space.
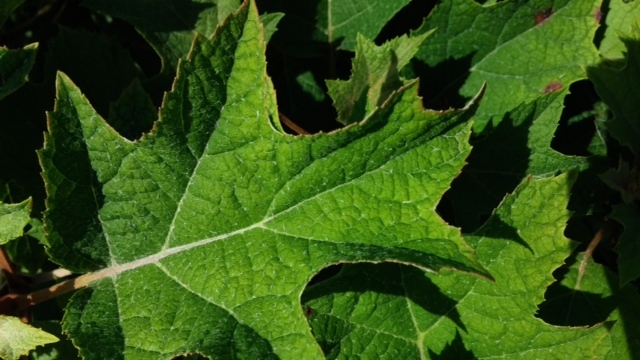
pixel 13 219
pixel 17 338
pixel 270 23
pixel 374 76
pixel 508 46
pixel 423 315
pixel 15 66
pixel 309 85
pixel 617 87
pixel 589 294
pixel 206 230
pixel 621 16
pixel 168 25
pixel 519 146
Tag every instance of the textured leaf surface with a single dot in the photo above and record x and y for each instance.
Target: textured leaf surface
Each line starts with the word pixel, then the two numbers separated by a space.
pixel 14 67
pixel 456 315
pixel 519 146
pixel 521 49
pixel 589 293
pixel 17 338
pixel 13 219
pixel 617 87
pixel 374 76
pixel 204 232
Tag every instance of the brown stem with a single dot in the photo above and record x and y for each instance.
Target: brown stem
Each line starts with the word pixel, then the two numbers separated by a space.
pixel 14 280
pixel 20 302
pixel 291 125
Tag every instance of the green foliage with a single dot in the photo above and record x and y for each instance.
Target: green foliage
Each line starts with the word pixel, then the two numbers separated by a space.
pixel 201 221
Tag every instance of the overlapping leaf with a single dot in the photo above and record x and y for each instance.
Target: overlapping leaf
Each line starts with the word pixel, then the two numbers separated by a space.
pixel 454 315
pixel 522 49
pixel 204 232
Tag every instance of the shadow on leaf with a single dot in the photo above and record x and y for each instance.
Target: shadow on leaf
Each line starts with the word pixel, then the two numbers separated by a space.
pixel 390 283
pixel 455 350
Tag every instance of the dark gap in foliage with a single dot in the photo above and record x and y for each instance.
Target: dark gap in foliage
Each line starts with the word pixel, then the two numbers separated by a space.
pixel 301 90
pixel 326 274
pixel 299 65
pixel 582 229
pixel 577 128
pixel 495 167
pixel 409 18
pixel 440 84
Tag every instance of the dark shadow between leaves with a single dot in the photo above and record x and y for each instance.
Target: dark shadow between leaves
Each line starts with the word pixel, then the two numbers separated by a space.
pixel 496 165
pixel 295 50
pixel 167 15
pixel 568 307
pixel 455 350
pixel 440 84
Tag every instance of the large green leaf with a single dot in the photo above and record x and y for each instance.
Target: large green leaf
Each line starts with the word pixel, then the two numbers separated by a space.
pixel 203 233
pixel 618 88
pixel 521 49
pixel 457 316
pixel 14 67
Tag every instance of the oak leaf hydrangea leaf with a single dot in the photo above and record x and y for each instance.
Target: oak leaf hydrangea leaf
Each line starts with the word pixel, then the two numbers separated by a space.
pixel 200 236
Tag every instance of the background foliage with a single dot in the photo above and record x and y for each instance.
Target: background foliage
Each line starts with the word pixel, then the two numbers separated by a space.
pixel 548 199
